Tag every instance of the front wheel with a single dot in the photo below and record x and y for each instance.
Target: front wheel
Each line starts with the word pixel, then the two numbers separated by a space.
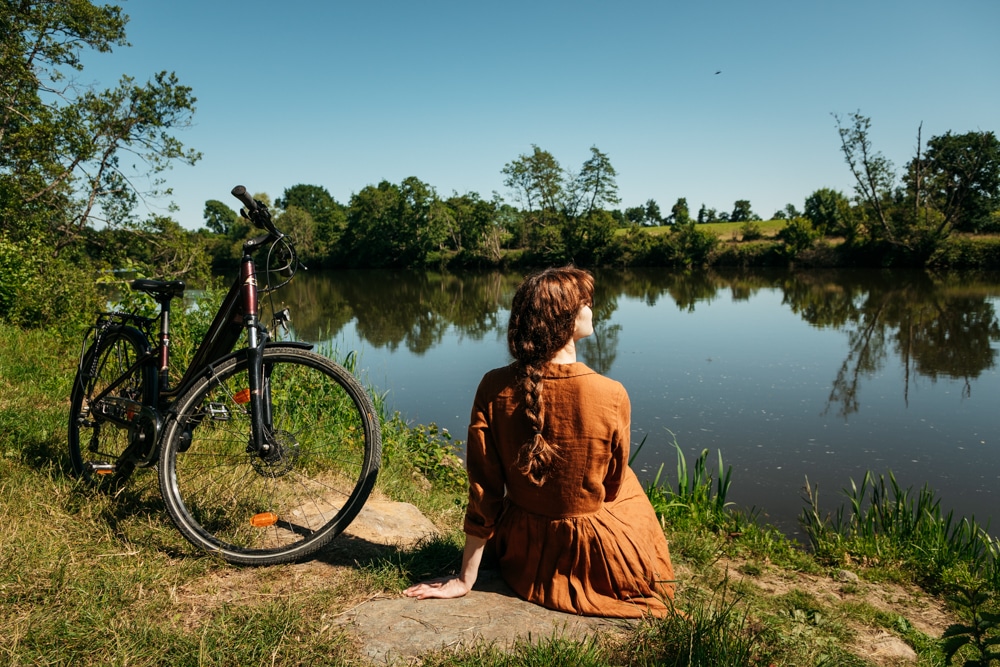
pixel 261 509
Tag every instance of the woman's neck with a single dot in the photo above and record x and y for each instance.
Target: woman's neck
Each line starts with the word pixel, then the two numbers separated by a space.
pixel 567 355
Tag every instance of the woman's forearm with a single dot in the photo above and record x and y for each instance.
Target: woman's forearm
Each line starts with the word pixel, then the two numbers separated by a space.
pixel 457 585
pixel 472 557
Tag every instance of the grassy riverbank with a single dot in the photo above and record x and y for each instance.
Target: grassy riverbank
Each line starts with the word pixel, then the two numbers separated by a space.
pixel 88 579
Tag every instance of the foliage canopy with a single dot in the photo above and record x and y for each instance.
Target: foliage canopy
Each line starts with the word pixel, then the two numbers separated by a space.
pixel 72 154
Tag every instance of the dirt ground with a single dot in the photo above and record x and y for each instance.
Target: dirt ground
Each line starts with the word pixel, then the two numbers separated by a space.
pixel 925 613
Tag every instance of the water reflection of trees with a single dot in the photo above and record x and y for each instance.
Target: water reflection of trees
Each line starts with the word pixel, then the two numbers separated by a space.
pixel 392 308
pixel 936 326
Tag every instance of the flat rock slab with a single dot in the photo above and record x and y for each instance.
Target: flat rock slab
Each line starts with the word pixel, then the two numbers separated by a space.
pixel 400 629
pixel 391 523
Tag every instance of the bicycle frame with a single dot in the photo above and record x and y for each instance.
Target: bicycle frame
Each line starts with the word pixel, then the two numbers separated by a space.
pixel 238 312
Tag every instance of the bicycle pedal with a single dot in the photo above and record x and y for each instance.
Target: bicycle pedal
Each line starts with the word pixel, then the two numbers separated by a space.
pixel 102 468
pixel 218 412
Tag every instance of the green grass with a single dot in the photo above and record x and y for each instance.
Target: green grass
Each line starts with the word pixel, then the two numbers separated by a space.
pixel 87 578
pixel 725 230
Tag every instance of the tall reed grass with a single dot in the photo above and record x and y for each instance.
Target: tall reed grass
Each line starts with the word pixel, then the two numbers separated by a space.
pixel 699 496
pixel 885 524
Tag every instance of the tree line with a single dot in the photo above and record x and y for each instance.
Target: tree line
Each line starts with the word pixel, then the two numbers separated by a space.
pixel 560 215
pixel 76 161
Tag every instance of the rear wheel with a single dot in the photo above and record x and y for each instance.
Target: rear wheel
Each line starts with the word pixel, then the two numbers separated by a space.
pixel 101 423
pixel 255 509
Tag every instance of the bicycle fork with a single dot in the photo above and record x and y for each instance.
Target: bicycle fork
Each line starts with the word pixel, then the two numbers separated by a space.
pixel 262 441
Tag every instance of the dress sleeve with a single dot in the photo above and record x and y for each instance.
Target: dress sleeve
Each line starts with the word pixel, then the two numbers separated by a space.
pixel 619 448
pixel 486 475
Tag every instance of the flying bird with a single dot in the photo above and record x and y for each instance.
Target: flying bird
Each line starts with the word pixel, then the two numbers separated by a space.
pixel 718 71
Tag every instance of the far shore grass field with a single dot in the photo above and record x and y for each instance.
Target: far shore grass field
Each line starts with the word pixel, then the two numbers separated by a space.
pixel 725 231
pixel 92 579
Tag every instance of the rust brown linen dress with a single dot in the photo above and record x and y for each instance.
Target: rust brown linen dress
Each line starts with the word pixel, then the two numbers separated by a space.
pixel 587 541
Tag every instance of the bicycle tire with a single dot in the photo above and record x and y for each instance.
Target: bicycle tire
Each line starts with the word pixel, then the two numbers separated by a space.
pixel 96 443
pixel 226 499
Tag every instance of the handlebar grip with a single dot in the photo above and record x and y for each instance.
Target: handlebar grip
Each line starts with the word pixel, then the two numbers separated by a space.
pixel 241 193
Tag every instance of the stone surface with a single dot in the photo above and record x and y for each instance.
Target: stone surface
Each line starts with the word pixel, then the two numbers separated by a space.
pixel 397 630
pixel 892 648
pixel 390 523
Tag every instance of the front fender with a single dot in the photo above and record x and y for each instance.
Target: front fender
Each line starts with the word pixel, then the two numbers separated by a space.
pixel 244 351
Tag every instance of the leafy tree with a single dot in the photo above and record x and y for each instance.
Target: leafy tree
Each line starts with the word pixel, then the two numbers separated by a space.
pixel 826 209
pixel 706 215
pixel 636 215
pixel 961 177
pixel 586 238
pixel 873 175
pixel 594 187
pixel 329 216
pixel 394 225
pixel 787 213
pixel 471 223
pixel 679 213
pixel 299 224
pixel 955 183
pixel 537 181
pixel 157 247
pixel 751 231
pixel 653 215
pixel 219 218
pixel 68 153
pixel 174 252
pixel 742 212
pixel 689 246
pixel 373 235
pixel 314 199
pixel 422 218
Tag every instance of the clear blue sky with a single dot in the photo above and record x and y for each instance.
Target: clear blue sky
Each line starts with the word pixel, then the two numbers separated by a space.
pixel 344 95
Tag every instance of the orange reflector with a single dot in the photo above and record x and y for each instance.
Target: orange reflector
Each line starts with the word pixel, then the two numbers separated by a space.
pixel 263 520
pixel 242 397
pixel 105 472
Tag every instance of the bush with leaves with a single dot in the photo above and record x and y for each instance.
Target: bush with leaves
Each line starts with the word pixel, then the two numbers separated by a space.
pixel 797 236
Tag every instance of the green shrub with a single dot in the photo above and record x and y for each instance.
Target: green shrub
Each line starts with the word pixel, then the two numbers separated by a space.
pixel 38 290
pixel 751 231
pixel 968 252
pixel 797 235
pixel 754 253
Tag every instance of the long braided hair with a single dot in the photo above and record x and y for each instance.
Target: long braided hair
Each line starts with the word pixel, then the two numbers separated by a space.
pixel 542 320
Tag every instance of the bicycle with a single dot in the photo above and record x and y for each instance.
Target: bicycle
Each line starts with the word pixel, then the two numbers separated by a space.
pixel 264 453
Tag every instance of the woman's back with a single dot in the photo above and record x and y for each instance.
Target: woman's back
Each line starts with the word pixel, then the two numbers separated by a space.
pixel 587 419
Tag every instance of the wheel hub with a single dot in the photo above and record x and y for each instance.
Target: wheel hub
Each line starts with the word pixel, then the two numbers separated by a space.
pixel 280 458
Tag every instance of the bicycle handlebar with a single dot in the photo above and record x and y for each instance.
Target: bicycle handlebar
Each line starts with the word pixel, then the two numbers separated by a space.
pixel 241 193
pixel 255 211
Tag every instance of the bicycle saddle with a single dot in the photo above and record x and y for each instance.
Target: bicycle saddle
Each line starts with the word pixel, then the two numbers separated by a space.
pixel 159 289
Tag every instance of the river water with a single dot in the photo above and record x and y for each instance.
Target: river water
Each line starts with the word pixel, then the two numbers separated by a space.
pixel 819 374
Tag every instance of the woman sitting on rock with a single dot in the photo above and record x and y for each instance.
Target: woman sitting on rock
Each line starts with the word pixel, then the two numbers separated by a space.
pixel 549 483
